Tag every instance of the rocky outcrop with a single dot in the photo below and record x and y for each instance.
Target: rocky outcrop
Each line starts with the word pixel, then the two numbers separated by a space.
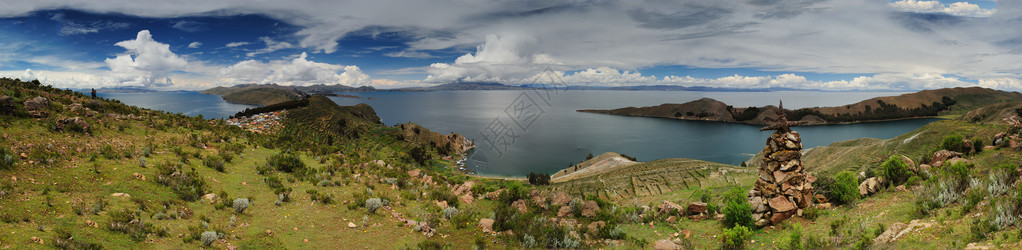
pixel 37 106
pixel 76 124
pixel 940 156
pixel 783 188
pixel 870 186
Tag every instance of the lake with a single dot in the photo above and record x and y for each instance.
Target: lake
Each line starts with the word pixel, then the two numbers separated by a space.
pixel 541 132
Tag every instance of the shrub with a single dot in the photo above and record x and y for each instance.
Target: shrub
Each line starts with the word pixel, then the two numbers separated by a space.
pixel 214 162
pixel 1007 212
pixel 735 238
pixel 108 152
pixel 953 143
pixel 442 194
pixel 980 228
pixel 846 188
pixel 373 204
pixel 240 204
pixel 6 159
pixel 737 210
pixel 189 186
pixel 450 212
pixel 894 170
pixel 1001 179
pixel 913 181
pixel 794 240
pixel 64 240
pixel 208 237
pixel 286 162
pixel 129 223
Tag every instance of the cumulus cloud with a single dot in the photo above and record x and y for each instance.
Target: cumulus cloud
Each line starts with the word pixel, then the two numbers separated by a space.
pixel 501 58
pixel 955 9
pixel 194 45
pixel 146 62
pixel 297 72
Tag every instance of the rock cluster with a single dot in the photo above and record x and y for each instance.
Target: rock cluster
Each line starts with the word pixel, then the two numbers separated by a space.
pixel 783 188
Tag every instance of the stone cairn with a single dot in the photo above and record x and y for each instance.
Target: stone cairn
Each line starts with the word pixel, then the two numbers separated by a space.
pixel 783 188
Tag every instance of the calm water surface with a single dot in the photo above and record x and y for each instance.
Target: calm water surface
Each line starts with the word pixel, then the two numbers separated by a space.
pixel 558 135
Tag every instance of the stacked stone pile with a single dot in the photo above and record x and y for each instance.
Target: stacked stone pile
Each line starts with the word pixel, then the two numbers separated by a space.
pixel 783 188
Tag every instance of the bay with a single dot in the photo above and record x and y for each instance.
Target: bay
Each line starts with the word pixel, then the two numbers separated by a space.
pixel 556 135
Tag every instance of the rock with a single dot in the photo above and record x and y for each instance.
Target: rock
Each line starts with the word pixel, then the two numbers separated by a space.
pixel 6 104
pixel 442 204
pixel 820 198
pixel 590 208
pixel 999 138
pixel 465 188
pixel 414 173
pixel 777 218
pixel 123 195
pixel 943 155
pixel 37 106
pixel 667 207
pixel 665 244
pixel 901 188
pixel 595 226
pixel 910 163
pixel 38 240
pixel 968 147
pixel 757 204
pixel 564 211
pixel 988 147
pixel 780 204
pixel 560 198
pixel 211 197
pixel 71 123
pixel 91 223
pixel 380 163
pixel 672 219
pixel 891 234
pixel 957 160
pixel 520 205
pixel 350 225
pixel 466 198
pixel 823 206
pixel 762 222
pixel 925 167
pixel 869 186
pixel 486 225
pixel 696 208
pixel 492 195
pixel 270 232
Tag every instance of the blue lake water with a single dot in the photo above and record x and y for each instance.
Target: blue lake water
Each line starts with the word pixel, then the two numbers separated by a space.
pixel 550 134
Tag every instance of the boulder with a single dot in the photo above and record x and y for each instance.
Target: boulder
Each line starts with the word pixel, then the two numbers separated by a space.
pixel 520 205
pixel 869 186
pixel 910 163
pixel 957 160
pixel 696 208
pixel 943 155
pixel 442 204
pixel 820 198
pixel 464 188
pixel 667 207
pixel 999 138
pixel 466 198
pixel 891 234
pixel 486 225
pixel 71 123
pixel 595 226
pixel 823 206
pixel 351 225
pixel 968 147
pixel 124 195
pixel 665 244
pixel 414 173
pixel 211 197
pixel 777 218
pixel 564 211
pixel 590 208
pixel 560 198
pixel 781 204
pixel 37 106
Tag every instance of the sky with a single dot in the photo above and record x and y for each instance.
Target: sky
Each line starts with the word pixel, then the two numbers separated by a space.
pixel 806 44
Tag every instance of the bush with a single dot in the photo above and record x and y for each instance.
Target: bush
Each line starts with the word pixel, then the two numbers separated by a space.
pixel 913 181
pixel 189 186
pixel 443 194
pixel 6 159
pixel 129 223
pixel 953 143
pixel 1001 179
pixel 240 204
pixel 373 204
pixel 64 240
pixel 735 238
pixel 214 162
pixel 846 188
pixel 894 170
pixel 208 237
pixel 737 210
pixel 450 212
pixel 286 162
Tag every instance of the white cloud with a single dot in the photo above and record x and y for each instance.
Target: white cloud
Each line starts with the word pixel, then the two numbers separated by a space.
pixel 236 44
pixel 501 58
pixel 194 45
pixel 956 9
pixel 271 46
pixel 146 63
pixel 298 71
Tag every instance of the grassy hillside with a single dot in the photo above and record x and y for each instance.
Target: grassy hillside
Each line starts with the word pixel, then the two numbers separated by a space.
pixel 262 96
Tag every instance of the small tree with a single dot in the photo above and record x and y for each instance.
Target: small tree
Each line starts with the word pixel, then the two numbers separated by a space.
pixel 894 170
pixel 539 179
pixel 735 238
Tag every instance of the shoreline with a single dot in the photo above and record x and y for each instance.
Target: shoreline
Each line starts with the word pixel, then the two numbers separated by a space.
pixel 757 124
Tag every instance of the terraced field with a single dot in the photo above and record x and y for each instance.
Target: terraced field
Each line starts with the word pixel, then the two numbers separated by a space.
pixel 656 178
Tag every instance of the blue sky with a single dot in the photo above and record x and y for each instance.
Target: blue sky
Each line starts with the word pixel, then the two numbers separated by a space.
pixel 812 44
